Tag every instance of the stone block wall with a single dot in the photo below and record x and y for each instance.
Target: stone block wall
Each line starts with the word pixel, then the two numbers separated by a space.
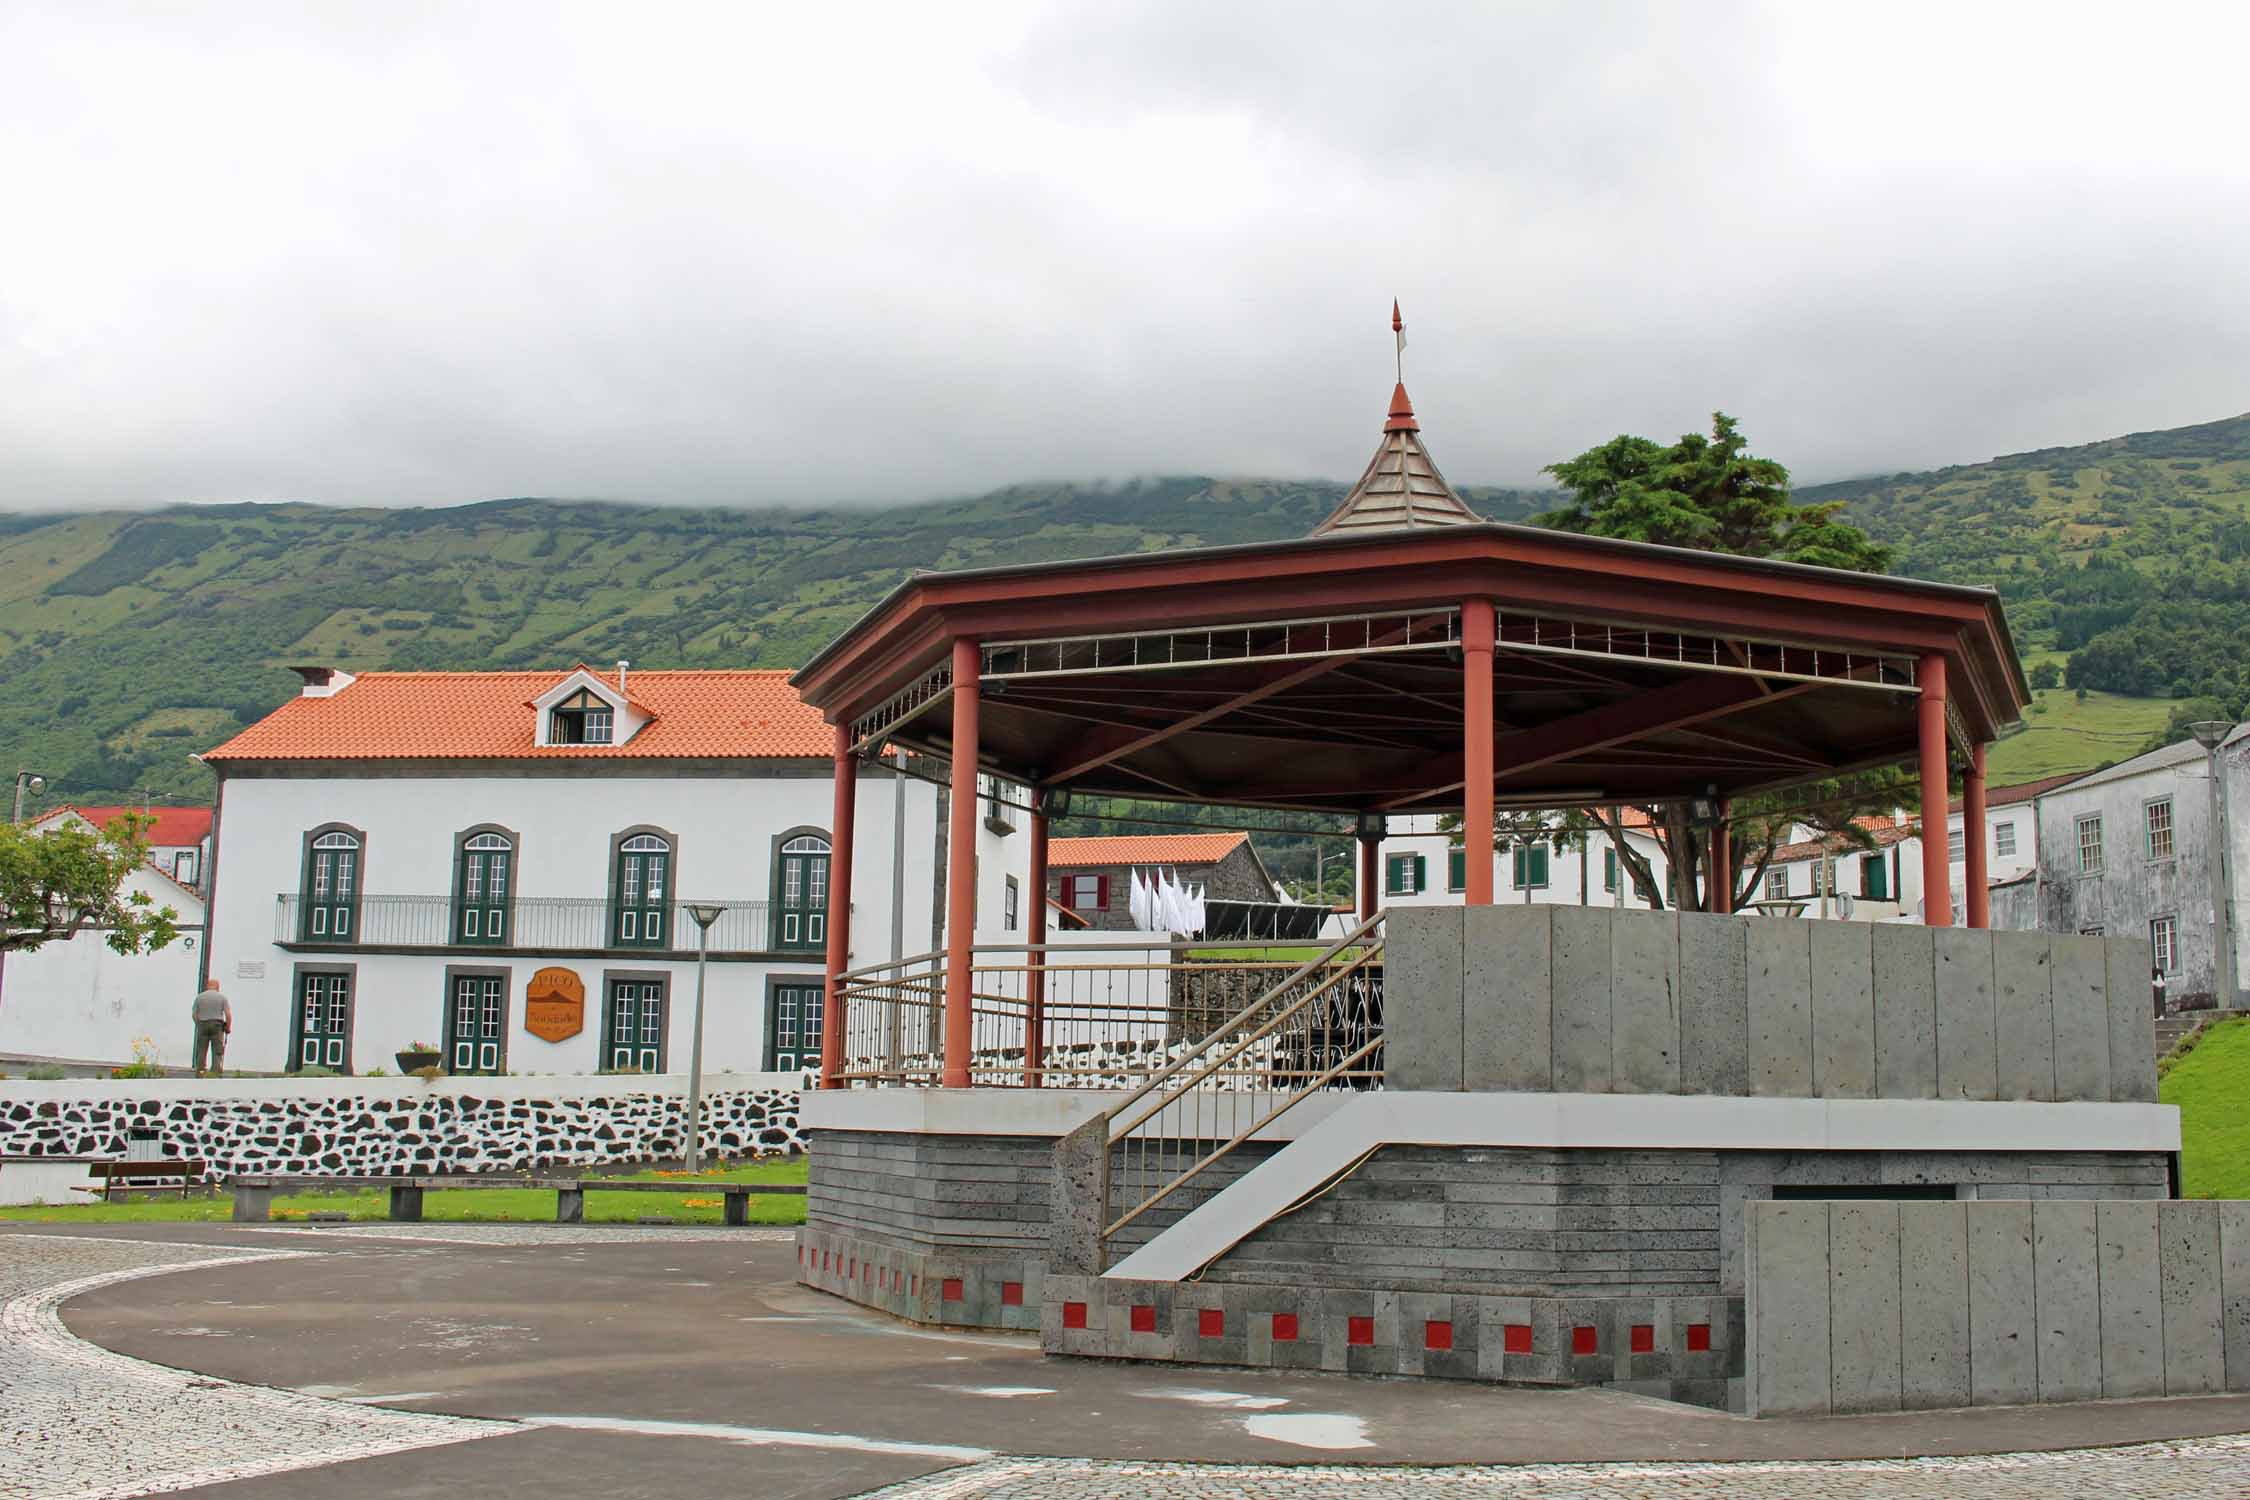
pixel 1882 1306
pixel 1592 1000
pixel 358 1127
pixel 1680 1348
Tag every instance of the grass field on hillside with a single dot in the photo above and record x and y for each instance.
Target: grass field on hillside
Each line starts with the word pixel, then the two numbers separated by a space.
pixel 2211 1085
pixel 2074 736
pixel 480 1206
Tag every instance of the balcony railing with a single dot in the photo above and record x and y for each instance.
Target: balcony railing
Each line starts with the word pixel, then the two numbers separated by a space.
pixel 532 924
pixel 1114 1015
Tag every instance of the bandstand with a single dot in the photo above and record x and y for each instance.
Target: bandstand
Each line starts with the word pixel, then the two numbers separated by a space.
pixel 1483 1142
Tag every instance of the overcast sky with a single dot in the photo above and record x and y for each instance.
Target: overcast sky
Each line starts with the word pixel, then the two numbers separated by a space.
pixel 761 253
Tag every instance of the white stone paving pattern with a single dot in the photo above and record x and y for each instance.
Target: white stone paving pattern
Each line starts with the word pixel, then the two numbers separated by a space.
pixel 2206 1469
pixel 81 1422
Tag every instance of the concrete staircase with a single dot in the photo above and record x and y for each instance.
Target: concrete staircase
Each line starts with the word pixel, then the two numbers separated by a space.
pixel 2171 1027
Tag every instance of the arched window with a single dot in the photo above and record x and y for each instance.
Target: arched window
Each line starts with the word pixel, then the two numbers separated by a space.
pixel 643 890
pixel 801 892
pixel 331 902
pixel 484 890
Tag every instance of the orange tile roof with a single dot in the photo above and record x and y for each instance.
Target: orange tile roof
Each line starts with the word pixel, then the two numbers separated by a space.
pixel 1143 849
pixel 175 827
pixel 487 715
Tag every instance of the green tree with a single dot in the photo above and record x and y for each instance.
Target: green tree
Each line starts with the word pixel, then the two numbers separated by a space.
pixel 1712 494
pixel 59 883
pixel 2046 675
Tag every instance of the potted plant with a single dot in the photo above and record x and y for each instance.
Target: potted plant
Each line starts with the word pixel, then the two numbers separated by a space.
pixel 415 1056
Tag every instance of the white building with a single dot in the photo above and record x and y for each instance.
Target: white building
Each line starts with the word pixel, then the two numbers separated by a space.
pixel 502 865
pixel 1418 865
pixel 81 1004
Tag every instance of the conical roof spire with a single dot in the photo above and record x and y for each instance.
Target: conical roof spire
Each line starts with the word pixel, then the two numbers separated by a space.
pixel 1402 487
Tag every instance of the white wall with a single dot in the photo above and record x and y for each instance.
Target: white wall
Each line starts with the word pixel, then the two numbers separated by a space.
pixel 724 829
pixel 82 1001
pixel 1418 834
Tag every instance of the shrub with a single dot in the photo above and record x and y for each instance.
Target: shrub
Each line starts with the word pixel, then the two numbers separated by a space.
pixel 45 1073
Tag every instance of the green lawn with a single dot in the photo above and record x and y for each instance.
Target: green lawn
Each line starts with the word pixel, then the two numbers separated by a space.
pixel 2075 736
pixel 484 1206
pixel 2211 1085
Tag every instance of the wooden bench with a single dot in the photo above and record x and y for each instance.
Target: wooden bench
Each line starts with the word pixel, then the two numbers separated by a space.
pixel 254 1195
pixel 148 1176
pixel 570 1197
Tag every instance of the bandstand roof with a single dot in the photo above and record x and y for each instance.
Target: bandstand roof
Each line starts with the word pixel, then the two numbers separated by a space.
pixel 1325 673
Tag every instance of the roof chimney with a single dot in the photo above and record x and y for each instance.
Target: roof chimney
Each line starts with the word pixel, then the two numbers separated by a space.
pixel 622 664
pixel 323 682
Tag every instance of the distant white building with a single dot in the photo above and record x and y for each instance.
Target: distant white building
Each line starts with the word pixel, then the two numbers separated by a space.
pixel 1420 866
pixel 78 1002
pixel 501 864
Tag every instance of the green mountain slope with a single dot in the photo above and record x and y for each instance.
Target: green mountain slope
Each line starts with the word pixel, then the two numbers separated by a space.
pixel 130 640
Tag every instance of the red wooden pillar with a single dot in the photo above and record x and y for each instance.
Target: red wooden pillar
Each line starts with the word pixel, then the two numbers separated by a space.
pixel 1975 843
pixel 1367 861
pixel 1937 877
pixel 1721 877
pixel 834 1034
pixel 1035 986
pixel 1477 628
pixel 961 871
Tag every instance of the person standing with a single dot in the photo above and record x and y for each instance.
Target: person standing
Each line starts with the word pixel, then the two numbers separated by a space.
pixel 214 1019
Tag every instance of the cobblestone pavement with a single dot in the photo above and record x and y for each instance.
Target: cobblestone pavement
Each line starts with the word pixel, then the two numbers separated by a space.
pixel 2205 1469
pixel 81 1422
pixel 536 1234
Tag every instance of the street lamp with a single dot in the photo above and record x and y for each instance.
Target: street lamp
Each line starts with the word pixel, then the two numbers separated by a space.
pixel 705 913
pixel 2211 734
pixel 26 779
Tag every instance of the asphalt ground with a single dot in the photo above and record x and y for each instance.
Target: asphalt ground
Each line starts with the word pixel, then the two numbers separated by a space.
pixel 688 1367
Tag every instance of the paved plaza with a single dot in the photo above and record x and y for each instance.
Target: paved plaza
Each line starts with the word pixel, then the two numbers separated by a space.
pixel 558 1362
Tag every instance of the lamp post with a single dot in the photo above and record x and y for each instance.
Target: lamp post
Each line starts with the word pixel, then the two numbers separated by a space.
pixel 25 779
pixel 705 913
pixel 2211 734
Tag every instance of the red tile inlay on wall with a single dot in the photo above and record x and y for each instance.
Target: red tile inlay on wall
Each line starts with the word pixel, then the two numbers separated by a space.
pixel 1074 1315
pixel 1644 1338
pixel 1011 1294
pixel 1698 1337
pixel 1517 1339
pixel 1584 1340
pixel 951 1291
pixel 1144 1318
pixel 1211 1323
pixel 1284 1328
pixel 1437 1334
pixel 1360 1331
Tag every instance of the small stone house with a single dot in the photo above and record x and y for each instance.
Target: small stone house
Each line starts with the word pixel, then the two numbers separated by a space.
pixel 1091 879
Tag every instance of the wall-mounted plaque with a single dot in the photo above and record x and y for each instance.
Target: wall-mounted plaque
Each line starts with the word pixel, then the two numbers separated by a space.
pixel 554 1005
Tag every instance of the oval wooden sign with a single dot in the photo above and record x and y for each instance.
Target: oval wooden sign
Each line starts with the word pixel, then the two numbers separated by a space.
pixel 554 1005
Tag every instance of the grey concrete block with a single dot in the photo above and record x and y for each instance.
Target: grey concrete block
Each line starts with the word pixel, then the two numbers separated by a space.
pixel 2132 1316
pixel 1581 958
pixel 2003 1316
pixel 1863 1307
pixel 1933 1252
pixel 1422 1014
pixel 1786 1304
pixel 2131 1008
pixel 2063 1243
pixel 2234 1289
pixel 2023 1015
pixel 1714 1004
pixel 2195 1358
pixel 1644 1011
pixel 1076 1210
pixel 1779 964
pixel 1967 1054
pixel 2081 1006
pixel 1905 1010
pixel 1843 1010
pixel 1508 1005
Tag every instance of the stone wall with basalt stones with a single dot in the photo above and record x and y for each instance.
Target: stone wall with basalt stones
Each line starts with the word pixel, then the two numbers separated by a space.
pixel 357 1129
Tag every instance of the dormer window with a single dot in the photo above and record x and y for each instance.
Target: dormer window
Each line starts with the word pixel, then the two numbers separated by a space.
pixel 584 718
